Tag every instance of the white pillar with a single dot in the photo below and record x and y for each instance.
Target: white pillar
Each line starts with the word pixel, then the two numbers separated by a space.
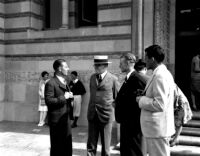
pixel 65 14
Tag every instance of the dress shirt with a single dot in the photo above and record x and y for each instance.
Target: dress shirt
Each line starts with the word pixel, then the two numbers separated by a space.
pixel 62 80
pixel 128 75
pixel 102 75
pixel 75 81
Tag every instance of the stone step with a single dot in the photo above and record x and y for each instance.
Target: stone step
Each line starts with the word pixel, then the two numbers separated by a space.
pixel 185 151
pixel 196 115
pixel 193 123
pixel 189 140
pixel 190 131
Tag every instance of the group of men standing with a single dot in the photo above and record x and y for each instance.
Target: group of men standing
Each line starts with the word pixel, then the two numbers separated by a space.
pixel 143 107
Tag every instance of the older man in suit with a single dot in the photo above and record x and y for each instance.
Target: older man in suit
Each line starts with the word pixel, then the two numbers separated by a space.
pixel 157 105
pixel 103 91
pixel 127 112
pixel 58 99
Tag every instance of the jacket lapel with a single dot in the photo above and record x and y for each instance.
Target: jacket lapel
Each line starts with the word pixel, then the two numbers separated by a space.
pixel 61 85
pixel 106 77
pixel 148 84
pixel 94 81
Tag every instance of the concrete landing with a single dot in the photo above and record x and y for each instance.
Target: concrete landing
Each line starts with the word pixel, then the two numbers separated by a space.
pixel 27 139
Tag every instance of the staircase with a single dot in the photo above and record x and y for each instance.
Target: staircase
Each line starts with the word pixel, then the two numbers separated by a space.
pixel 189 140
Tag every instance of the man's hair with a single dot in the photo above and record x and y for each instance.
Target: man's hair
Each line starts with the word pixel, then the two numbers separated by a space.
pixel 74 73
pixel 155 51
pixel 139 65
pixel 129 57
pixel 44 73
pixel 57 63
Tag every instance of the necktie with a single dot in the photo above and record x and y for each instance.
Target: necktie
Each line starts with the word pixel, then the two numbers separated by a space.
pixel 99 79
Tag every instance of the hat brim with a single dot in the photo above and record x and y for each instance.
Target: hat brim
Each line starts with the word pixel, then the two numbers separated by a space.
pixel 102 62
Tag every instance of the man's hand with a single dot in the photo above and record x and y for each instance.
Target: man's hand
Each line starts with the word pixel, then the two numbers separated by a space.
pixel 138 99
pixel 71 95
pixel 68 95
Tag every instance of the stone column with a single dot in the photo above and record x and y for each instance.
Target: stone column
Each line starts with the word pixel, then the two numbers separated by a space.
pixel 140 29
pixel 65 14
pixel 164 29
pixel 137 28
pixel 162 25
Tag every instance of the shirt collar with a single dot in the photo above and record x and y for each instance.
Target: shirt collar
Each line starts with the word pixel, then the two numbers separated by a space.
pixel 62 80
pixel 103 74
pixel 159 67
pixel 129 74
pixel 75 81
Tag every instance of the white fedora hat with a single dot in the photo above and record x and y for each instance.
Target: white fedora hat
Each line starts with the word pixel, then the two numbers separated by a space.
pixel 101 59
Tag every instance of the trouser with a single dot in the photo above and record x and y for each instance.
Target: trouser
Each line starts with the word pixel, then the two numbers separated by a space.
pixel 77 105
pixel 157 146
pixel 96 128
pixel 130 141
pixel 60 139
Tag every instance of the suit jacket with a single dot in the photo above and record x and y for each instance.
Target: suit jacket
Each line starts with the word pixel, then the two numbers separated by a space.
pixel 58 106
pixel 102 97
pixel 127 110
pixel 157 106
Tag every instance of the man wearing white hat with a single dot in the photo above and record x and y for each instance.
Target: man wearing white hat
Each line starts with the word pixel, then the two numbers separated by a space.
pixel 104 87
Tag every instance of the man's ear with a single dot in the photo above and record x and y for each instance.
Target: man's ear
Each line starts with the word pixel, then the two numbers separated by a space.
pixel 59 68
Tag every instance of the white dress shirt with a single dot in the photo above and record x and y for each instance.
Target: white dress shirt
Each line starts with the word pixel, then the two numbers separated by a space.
pixel 62 80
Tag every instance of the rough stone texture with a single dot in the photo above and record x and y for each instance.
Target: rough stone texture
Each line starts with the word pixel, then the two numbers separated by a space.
pixel 162 27
pixel 27 53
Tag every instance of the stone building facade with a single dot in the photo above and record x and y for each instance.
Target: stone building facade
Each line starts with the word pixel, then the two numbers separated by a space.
pixel 31 39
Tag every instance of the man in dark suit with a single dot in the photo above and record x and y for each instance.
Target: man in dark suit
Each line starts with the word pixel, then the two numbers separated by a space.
pixel 127 112
pixel 103 90
pixel 58 99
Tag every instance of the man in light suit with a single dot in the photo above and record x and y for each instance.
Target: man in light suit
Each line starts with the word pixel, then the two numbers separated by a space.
pixel 103 91
pixel 58 99
pixel 157 105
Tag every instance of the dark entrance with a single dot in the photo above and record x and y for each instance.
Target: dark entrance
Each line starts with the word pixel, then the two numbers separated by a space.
pixel 187 41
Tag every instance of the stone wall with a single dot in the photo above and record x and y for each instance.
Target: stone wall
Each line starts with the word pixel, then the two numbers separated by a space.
pixel 28 52
pixel 26 49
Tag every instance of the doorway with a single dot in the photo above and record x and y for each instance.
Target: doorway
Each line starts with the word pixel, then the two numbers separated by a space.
pixel 187 41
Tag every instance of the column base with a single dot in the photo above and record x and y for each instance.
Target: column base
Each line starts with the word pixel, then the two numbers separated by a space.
pixel 64 27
